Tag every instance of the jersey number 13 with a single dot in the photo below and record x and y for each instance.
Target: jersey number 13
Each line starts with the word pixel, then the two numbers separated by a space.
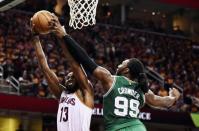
pixel 64 114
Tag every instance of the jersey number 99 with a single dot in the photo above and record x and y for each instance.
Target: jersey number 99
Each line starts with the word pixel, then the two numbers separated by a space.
pixel 124 107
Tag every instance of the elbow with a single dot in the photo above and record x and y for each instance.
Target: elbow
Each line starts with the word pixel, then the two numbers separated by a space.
pixel 157 102
pixel 157 105
pixel 167 105
pixel 171 102
pixel 152 103
pixel 44 68
pixel 165 102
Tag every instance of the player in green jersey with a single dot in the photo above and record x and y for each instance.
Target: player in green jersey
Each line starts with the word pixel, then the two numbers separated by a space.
pixel 125 94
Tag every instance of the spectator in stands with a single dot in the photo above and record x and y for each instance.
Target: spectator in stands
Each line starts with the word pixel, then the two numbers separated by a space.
pixel 108 46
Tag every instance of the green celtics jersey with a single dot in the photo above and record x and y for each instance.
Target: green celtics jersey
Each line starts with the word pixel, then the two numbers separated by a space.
pixel 121 104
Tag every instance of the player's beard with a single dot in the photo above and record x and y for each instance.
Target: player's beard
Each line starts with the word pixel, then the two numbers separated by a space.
pixel 71 88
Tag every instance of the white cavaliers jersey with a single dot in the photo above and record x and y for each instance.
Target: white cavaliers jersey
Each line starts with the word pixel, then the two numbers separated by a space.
pixel 72 114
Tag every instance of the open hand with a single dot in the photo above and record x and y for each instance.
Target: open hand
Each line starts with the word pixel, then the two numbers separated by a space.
pixel 174 93
pixel 56 27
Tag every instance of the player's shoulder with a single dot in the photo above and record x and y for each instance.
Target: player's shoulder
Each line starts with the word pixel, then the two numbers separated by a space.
pixel 118 77
pixel 126 79
pixel 121 77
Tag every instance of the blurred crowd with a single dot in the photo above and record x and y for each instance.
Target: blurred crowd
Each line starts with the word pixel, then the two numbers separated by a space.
pixel 175 59
pixel 106 14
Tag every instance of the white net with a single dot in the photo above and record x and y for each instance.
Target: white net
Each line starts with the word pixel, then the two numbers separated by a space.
pixel 82 13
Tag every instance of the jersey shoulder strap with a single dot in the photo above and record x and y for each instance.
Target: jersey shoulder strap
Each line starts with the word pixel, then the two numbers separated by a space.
pixel 112 86
pixel 118 82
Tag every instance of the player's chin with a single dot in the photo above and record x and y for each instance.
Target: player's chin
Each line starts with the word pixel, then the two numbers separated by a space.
pixel 70 86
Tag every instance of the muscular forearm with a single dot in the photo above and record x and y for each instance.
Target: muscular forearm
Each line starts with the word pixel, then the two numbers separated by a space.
pixel 70 60
pixel 79 54
pixel 50 76
pixel 90 66
pixel 165 102
pixel 40 55
pixel 42 60
pixel 159 101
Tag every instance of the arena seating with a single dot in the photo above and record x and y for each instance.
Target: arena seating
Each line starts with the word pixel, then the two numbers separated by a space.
pixel 171 56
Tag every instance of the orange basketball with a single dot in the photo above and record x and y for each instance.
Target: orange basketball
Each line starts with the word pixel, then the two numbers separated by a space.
pixel 41 21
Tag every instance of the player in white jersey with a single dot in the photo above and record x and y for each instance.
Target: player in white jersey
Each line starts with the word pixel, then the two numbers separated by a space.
pixel 76 96
pixel 73 114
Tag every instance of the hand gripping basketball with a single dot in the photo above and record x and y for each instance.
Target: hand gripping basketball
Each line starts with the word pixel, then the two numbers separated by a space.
pixel 40 20
pixel 56 27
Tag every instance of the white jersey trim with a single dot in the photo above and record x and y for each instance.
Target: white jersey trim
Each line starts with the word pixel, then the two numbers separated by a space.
pixel 82 102
pixel 76 97
pixel 110 89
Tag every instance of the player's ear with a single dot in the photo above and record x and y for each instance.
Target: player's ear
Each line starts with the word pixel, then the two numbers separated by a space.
pixel 126 70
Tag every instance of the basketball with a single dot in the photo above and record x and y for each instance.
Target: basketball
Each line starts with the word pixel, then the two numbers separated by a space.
pixel 99 65
pixel 40 20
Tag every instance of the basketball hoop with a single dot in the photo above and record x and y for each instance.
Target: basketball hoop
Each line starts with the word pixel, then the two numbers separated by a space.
pixel 82 13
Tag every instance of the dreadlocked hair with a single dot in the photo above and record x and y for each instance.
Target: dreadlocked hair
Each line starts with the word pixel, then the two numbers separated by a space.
pixel 136 69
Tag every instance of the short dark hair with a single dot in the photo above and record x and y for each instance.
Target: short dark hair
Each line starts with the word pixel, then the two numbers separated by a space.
pixel 137 71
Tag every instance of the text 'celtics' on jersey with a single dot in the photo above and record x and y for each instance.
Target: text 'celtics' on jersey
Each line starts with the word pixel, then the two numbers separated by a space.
pixel 122 103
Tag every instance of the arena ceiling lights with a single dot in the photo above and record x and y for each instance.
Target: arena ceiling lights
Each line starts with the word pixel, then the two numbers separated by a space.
pixel 7 4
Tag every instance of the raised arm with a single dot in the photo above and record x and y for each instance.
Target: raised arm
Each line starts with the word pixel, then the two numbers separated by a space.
pixel 81 56
pixel 50 76
pixel 162 102
pixel 78 72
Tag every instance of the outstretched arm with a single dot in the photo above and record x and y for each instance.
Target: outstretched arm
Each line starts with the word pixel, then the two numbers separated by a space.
pixel 80 77
pixel 50 76
pixel 81 56
pixel 162 102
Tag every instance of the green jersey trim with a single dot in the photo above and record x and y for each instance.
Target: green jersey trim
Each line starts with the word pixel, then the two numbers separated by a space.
pixel 129 80
pixel 110 89
pixel 144 101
